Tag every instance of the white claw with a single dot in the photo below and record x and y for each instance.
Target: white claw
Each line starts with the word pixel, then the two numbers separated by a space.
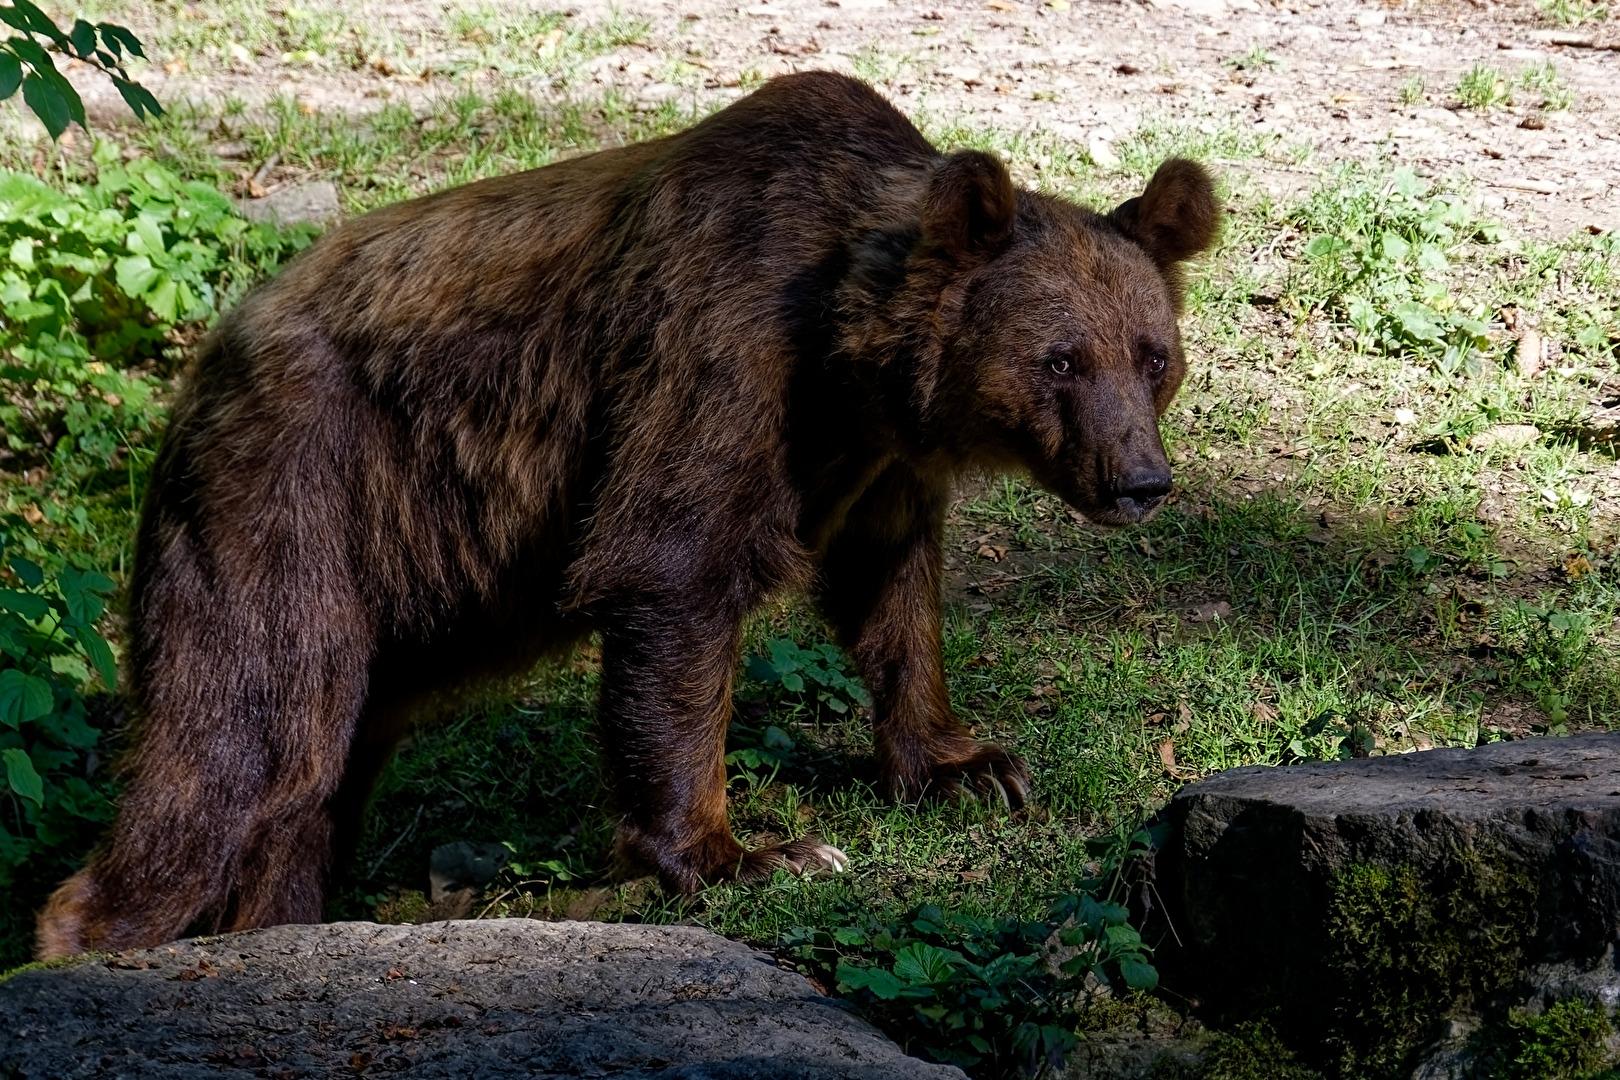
pixel 1001 791
pixel 833 859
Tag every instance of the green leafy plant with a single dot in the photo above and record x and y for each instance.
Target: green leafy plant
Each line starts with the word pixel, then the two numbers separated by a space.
pixel 1484 87
pixel 1572 12
pixel 816 677
pixel 96 279
pixel 1412 90
pixel 51 653
pixel 1550 644
pixel 26 63
pixel 996 996
pixel 1377 254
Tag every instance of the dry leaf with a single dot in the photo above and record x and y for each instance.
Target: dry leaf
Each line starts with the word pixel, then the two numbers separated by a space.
pixel 1185 722
pixel 974 875
pixel 1001 5
pixel 1576 566
pixel 1264 712
pixel 993 552
pixel 1167 754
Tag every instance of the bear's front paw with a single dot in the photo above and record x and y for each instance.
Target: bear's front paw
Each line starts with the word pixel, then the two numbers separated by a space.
pixel 807 856
pixel 978 770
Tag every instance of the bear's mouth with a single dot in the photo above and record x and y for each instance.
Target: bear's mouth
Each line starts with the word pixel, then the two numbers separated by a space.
pixel 1116 512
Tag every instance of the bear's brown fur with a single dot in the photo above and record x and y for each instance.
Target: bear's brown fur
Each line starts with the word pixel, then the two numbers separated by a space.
pixel 634 392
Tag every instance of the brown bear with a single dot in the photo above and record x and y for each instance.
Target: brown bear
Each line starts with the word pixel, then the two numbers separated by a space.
pixel 635 392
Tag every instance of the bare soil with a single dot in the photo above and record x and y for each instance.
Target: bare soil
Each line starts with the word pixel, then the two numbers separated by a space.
pixel 1329 77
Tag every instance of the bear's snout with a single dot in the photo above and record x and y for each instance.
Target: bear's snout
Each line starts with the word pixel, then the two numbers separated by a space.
pixel 1141 491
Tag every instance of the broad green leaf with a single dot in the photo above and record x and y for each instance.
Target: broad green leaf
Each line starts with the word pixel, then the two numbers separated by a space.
pixel 83 38
pixel 1322 246
pixel 21 776
pixel 28 572
pixel 47 103
pixel 135 274
pixel 28 605
pixel 880 982
pixel 38 21
pixel 23 697
pixel 1394 246
pixel 164 300
pixel 117 36
pixel 30 51
pixel 1138 974
pixel 22 252
pixel 70 95
pixel 11 74
pixel 920 962
pixel 147 239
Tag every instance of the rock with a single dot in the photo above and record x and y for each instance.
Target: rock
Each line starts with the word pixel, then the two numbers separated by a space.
pixel 488 999
pixel 463 865
pixel 314 203
pixel 1102 153
pixel 1364 903
pixel 1505 437
pixel 1133 1055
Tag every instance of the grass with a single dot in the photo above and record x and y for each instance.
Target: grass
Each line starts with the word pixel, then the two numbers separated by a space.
pixel 1346 566
pixel 1484 87
pixel 1572 12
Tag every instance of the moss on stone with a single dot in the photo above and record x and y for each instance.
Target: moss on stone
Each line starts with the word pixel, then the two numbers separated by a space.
pixel 53 963
pixel 1248 1052
pixel 1568 1041
pixel 1405 951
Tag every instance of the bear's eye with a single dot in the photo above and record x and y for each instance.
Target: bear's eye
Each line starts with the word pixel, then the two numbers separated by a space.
pixel 1061 359
pixel 1155 362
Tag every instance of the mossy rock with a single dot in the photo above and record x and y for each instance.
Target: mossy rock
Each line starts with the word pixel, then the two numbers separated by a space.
pixel 1359 905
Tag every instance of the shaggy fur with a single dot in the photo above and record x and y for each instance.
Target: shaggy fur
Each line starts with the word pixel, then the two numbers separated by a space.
pixel 633 392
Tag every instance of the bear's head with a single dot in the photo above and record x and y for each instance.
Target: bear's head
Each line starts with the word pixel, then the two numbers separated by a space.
pixel 1054 329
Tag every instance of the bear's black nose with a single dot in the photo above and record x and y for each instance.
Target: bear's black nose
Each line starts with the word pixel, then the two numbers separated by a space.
pixel 1142 490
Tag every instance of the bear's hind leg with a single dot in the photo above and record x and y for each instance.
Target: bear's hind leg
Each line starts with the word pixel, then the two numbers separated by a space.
pixel 246 696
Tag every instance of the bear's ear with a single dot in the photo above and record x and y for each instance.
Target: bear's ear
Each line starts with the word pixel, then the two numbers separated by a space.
pixel 969 204
pixel 1176 217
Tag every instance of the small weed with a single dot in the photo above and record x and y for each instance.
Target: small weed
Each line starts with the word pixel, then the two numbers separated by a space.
pixel 1572 12
pixel 879 66
pixel 1253 60
pixel 1412 89
pixel 1556 94
pixel 1484 87
pixel 812 679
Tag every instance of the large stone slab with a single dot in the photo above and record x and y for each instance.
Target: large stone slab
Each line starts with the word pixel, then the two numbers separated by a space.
pixel 457 999
pixel 1363 904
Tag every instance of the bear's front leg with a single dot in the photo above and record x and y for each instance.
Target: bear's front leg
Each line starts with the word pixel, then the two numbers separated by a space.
pixel 666 705
pixel 881 588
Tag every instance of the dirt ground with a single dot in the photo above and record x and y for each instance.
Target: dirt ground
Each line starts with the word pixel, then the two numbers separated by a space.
pixel 1327 76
